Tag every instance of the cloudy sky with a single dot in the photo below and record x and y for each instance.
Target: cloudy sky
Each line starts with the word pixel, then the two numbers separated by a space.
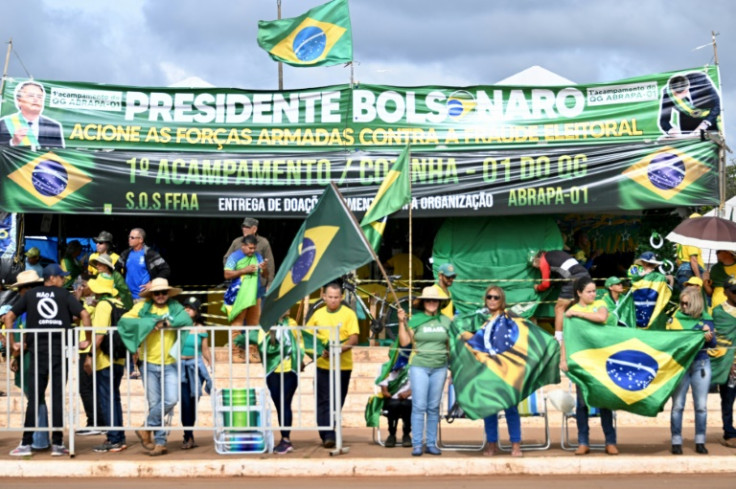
pixel 396 42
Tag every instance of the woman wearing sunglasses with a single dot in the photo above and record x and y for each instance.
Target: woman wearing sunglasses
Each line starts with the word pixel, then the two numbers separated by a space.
pixel 594 312
pixel 490 337
pixel 692 316
pixel 429 332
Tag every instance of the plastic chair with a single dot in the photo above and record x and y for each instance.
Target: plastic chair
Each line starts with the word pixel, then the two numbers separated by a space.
pixel 566 442
pixel 455 412
pixel 533 406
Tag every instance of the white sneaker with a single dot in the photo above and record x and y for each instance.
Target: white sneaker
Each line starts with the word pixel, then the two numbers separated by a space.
pixel 22 451
pixel 59 451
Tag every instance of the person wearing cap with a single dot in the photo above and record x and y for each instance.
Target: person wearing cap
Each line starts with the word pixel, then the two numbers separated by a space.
pixel 47 307
pixel 559 264
pixel 151 327
pixel 195 362
pixel 619 313
pixel 33 260
pixel 103 265
pixel 719 274
pixel 263 248
pixel 337 315
pixel 141 264
pixel 651 291
pixel 106 372
pixel 428 331
pixel 696 102
pixel 103 245
pixel 724 320
pixel 692 315
pixel 445 277
pixel 24 282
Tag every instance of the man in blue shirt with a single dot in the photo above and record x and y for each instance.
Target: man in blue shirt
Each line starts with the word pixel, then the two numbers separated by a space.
pixel 140 264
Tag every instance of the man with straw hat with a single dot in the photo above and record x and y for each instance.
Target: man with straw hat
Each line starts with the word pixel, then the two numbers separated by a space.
pixel 149 326
pixel 109 403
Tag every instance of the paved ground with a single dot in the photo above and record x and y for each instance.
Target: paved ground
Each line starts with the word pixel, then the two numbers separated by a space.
pixel 643 451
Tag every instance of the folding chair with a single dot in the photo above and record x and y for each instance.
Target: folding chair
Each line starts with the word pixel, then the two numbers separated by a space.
pixel 455 412
pixel 566 442
pixel 533 406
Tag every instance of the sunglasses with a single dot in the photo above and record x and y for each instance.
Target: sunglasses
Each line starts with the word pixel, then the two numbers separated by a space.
pixel 134 237
pixel 161 292
pixel 684 303
pixel 492 297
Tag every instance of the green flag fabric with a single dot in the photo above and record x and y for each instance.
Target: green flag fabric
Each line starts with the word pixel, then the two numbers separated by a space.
pixel 398 361
pixel 621 313
pixel 322 36
pixel 244 288
pixel 499 363
pixel 392 195
pixel 722 357
pixel 627 369
pixel 651 293
pixel 329 244
pixel 278 346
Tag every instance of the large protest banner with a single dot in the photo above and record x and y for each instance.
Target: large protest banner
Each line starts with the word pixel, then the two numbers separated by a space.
pixel 540 180
pixel 372 117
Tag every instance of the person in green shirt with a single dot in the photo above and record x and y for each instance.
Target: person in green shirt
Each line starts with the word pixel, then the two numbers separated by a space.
pixel 428 332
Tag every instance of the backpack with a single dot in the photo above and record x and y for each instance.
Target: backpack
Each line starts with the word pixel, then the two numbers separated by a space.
pixel 118 347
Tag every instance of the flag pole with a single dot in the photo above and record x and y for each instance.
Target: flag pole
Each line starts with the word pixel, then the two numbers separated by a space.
pixel 5 67
pixel 281 65
pixel 366 243
pixel 411 256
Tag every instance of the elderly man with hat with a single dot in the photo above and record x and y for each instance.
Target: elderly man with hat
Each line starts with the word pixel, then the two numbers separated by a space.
pixel 47 307
pixel 107 373
pixel 33 261
pixel 651 290
pixel 263 248
pixel 150 326
pixel 103 244
pixel 445 277
pixel 104 265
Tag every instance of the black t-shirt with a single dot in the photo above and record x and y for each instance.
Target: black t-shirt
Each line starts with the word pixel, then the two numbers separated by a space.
pixel 47 308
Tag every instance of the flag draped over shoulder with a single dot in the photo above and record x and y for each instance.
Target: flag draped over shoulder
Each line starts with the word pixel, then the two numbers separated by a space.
pixel 721 357
pixel 321 36
pixel 398 362
pixel 243 291
pixel 281 348
pixel 627 368
pixel 393 194
pixel 502 364
pixel 622 313
pixel 651 293
pixel 329 244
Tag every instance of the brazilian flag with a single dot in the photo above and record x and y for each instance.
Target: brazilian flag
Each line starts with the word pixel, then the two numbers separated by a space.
pixel 398 362
pixel 497 364
pixel 393 194
pixel 722 356
pixel 281 347
pixel 683 174
pixel 622 313
pixel 627 368
pixel 53 181
pixel 320 37
pixel 651 294
pixel 328 245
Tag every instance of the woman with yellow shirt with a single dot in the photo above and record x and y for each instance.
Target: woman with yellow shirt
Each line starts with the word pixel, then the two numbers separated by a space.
pixel 594 312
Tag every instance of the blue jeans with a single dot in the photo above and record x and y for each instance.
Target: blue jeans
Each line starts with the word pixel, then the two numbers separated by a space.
pixel 697 377
pixel 108 402
pixel 581 418
pixel 426 393
pixel 513 422
pixel 41 438
pixel 728 395
pixel 169 397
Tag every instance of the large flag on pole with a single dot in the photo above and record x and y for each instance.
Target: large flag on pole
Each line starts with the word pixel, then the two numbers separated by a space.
pixel 320 37
pixel 329 244
pixel 393 194
pixel 627 369
pixel 501 364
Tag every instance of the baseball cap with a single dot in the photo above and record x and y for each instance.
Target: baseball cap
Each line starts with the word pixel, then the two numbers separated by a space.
pixel 249 222
pixel 54 270
pixel 611 281
pixel 33 252
pixel 447 270
pixel 694 281
pixel 193 303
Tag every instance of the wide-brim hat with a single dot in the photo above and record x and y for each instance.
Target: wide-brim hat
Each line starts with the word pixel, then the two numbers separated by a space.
pixel 648 257
pixel 432 293
pixel 26 277
pixel 104 237
pixel 158 284
pixel 102 284
pixel 103 259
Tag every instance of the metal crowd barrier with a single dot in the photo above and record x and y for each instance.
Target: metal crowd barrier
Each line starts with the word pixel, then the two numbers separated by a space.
pixel 228 375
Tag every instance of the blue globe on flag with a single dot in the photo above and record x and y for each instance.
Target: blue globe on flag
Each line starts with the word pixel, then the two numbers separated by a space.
pixel 309 43
pixel 49 178
pixel 632 370
pixel 666 171
pixel 304 262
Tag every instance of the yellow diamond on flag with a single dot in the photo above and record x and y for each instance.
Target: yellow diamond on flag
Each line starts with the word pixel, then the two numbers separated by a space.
pixel 299 46
pixel 632 370
pixel 314 243
pixel 50 178
pixel 666 172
